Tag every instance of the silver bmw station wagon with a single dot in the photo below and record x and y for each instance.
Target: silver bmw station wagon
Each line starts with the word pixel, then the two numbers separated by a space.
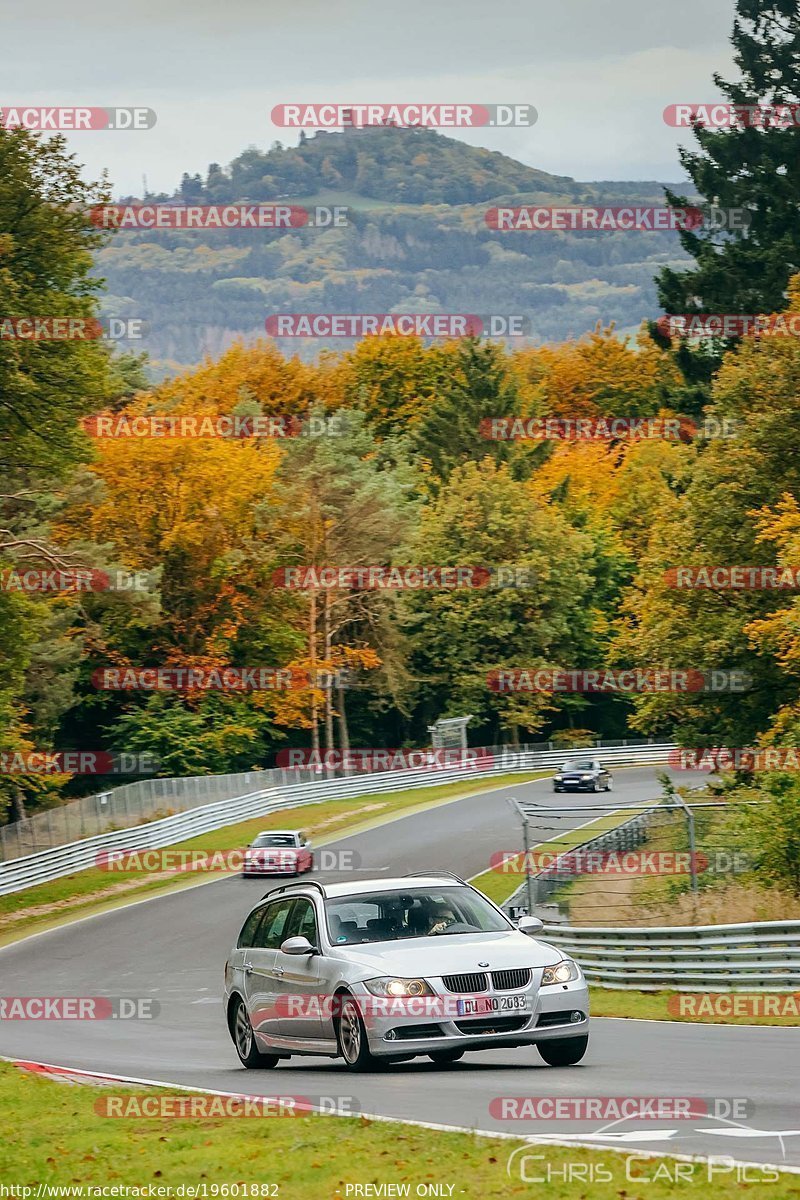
pixel 385 970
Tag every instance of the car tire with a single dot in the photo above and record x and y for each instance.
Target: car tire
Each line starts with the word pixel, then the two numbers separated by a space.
pixel 563 1052
pixel 351 1036
pixel 610 784
pixel 310 863
pixel 245 1041
pixel 443 1058
pixel 595 785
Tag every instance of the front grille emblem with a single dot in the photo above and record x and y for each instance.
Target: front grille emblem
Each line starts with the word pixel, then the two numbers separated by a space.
pixel 483 964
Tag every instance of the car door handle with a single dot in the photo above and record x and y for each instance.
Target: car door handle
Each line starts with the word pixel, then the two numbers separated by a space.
pixel 248 968
pixel 278 971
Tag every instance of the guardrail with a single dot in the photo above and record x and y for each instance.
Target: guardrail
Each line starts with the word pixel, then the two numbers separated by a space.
pixel 149 799
pixel 748 957
pixel 53 863
pixel 762 956
pixel 23 873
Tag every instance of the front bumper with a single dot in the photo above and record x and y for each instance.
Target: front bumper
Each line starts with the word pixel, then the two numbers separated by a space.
pixel 548 1016
pixel 264 869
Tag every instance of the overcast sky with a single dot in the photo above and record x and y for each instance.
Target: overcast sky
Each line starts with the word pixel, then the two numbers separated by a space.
pixel 600 74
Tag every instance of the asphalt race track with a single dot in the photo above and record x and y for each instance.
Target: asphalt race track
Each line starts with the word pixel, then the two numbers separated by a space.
pixel 173 949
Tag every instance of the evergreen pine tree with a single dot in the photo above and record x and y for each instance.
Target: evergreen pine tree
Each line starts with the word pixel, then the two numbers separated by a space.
pixel 750 166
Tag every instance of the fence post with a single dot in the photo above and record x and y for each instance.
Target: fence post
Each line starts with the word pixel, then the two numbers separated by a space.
pixel 690 830
pixel 526 867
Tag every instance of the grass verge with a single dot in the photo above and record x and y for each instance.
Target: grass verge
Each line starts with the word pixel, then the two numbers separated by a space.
pixel 96 889
pixel 687 1008
pixel 54 1135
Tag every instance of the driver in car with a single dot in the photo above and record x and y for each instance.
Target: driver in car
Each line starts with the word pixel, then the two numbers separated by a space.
pixel 441 917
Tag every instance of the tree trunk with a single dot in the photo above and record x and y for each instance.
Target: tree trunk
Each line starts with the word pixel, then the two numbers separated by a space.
pixel 312 657
pixel 18 805
pixel 326 618
pixel 344 732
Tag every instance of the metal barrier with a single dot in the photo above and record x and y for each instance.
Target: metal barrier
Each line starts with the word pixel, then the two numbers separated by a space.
pixel 748 957
pixel 763 956
pixel 23 873
pixel 123 808
pixel 53 863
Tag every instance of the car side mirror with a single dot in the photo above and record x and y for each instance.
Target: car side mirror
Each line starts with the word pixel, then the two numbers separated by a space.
pixel 529 925
pixel 297 945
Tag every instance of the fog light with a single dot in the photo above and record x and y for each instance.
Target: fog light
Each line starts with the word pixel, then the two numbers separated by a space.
pixel 391 1035
pixel 576 1016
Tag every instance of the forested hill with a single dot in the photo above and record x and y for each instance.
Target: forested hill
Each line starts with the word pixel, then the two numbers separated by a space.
pixel 411 166
pixel 415 241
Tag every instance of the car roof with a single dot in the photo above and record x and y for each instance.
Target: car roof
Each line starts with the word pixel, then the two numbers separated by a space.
pixel 278 833
pixel 402 883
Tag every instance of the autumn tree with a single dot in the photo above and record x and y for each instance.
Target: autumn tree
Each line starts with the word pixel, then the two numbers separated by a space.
pixel 342 501
pixel 484 517
pixel 723 518
pixel 46 247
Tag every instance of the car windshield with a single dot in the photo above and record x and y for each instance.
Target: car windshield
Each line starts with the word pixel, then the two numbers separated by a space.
pixel 421 912
pixel 578 764
pixel 275 839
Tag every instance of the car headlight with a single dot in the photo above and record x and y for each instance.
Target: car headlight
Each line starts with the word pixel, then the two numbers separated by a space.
pixel 562 972
pixel 587 776
pixel 388 986
pixel 558 778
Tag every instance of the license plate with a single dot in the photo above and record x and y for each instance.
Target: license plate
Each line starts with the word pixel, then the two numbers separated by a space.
pixel 481 1005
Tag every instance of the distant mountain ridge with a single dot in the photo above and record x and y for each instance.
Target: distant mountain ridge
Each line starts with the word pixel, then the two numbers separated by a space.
pixel 415 241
